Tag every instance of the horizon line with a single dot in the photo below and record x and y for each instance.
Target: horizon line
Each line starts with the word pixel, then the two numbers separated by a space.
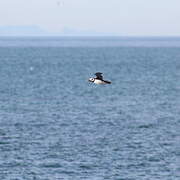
pixel 63 35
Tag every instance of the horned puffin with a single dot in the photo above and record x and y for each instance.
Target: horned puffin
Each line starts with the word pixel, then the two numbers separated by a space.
pixel 99 79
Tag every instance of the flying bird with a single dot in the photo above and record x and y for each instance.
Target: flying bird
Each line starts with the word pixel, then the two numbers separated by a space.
pixel 99 79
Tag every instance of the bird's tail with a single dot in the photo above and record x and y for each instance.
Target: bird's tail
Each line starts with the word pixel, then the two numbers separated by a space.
pixel 108 82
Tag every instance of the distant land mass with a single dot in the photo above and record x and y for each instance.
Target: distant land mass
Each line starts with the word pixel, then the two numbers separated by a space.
pixel 21 31
pixel 38 31
pixel 79 32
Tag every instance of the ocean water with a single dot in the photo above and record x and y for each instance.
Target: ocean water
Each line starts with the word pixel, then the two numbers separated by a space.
pixel 55 125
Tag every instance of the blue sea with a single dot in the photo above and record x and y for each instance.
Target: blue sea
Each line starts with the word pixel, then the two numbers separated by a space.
pixel 55 125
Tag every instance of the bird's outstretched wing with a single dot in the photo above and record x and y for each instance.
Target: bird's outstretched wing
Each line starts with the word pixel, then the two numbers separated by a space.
pixel 99 75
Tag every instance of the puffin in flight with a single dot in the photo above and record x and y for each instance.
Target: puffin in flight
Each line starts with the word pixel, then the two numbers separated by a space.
pixel 99 79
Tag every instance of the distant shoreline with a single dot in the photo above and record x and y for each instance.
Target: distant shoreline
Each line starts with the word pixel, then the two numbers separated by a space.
pixel 89 36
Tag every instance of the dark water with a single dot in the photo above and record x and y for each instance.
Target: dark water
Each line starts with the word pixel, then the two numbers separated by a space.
pixel 55 125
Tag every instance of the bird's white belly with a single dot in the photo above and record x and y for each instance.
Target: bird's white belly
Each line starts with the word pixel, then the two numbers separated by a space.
pixel 97 81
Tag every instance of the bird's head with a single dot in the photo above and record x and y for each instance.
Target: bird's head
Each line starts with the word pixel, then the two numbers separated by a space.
pixel 91 80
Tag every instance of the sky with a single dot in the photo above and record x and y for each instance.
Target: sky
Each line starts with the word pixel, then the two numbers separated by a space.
pixel 122 17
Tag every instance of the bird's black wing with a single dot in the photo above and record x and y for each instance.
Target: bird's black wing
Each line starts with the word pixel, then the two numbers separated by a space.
pixel 99 76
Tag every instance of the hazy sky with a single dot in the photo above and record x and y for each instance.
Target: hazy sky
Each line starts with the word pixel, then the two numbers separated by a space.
pixel 125 17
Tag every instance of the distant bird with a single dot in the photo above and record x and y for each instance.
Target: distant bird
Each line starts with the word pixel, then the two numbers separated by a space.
pixel 59 3
pixel 99 79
